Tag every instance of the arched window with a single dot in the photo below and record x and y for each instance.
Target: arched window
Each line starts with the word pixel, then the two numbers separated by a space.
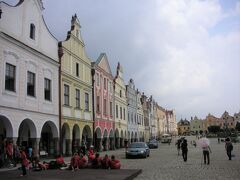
pixel 32 31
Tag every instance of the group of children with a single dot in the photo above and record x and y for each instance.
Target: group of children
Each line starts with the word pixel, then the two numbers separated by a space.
pixel 79 161
pixel 94 161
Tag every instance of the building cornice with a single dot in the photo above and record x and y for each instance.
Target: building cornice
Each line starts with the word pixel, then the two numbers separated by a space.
pixel 31 50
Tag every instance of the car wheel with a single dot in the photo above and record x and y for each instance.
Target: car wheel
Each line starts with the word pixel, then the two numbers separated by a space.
pixel 148 154
pixel 145 155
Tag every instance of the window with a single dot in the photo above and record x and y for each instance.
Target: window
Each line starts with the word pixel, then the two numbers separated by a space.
pixel 98 104
pixel 10 77
pixel 120 93
pixel 77 98
pixel 66 95
pixel 86 101
pixel 98 79
pixel 47 89
pixel 30 83
pixel 105 106
pixel 120 112
pixel 124 113
pixel 116 111
pixel 32 31
pixel 77 69
pixel 111 104
pixel 105 83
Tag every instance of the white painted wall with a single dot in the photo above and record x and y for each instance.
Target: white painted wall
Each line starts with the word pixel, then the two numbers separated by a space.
pixel 38 56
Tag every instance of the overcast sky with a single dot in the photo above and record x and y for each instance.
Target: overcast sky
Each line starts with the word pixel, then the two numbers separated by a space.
pixel 186 53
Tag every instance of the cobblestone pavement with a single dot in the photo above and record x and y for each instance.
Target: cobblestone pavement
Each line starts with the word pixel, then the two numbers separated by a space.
pixel 164 163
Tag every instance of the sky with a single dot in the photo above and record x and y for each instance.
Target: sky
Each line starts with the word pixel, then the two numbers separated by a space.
pixel 186 53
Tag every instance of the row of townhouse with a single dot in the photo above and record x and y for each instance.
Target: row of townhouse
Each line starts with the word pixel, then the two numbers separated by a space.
pixel 55 99
pixel 196 125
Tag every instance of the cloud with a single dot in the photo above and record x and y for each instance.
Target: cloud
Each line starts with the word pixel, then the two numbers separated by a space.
pixel 185 53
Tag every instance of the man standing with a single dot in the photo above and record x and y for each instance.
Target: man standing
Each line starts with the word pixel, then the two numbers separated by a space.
pixel 229 148
pixel 184 147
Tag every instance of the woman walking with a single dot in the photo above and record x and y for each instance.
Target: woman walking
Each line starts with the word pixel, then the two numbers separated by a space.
pixel 25 163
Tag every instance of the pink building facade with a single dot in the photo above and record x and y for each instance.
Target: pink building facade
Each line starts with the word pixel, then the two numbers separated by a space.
pixel 104 123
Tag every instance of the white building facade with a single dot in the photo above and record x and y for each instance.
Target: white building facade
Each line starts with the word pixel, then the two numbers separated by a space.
pixel 132 112
pixel 29 106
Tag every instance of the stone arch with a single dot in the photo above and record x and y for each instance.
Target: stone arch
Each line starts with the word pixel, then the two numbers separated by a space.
pixel 98 132
pixel 49 138
pixel 111 134
pixel 135 138
pixel 105 134
pixel 87 135
pixel 121 139
pixel 117 139
pixel 132 138
pixel 75 138
pixel 105 140
pixel 27 132
pixel 98 138
pixel 6 129
pixel 66 140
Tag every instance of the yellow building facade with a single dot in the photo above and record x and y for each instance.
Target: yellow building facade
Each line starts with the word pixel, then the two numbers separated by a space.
pixel 76 92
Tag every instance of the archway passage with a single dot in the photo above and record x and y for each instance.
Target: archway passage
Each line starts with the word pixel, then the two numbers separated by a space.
pixel 6 129
pixel 136 138
pixel 6 132
pixel 111 140
pixel 98 136
pixel 49 141
pixel 87 136
pixel 105 141
pixel 27 134
pixel 117 139
pixel 66 140
pixel 121 140
pixel 75 138
pixel 132 138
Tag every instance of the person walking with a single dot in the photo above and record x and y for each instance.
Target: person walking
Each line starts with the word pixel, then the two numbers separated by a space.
pixel 184 147
pixel 206 151
pixel 25 162
pixel 229 148
pixel 178 144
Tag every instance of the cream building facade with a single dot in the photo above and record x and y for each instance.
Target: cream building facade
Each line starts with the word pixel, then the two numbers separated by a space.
pixel 76 91
pixel 121 117
pixel 140 117
pixel 196 125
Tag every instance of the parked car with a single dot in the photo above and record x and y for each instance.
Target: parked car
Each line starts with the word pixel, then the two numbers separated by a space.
pixel 153 144
pixel 138 149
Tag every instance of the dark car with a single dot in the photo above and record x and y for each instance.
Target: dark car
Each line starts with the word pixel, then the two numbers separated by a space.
pixel 138 149
pixel 153 144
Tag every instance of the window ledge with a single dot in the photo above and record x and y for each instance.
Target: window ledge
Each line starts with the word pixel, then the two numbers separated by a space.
pixel 78 108
pixel 10 93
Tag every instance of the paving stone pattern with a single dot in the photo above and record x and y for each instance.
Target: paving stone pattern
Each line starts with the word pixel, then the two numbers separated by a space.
pixel 165 164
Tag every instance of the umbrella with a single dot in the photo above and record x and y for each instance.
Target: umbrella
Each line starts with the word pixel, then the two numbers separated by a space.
pixel 203 142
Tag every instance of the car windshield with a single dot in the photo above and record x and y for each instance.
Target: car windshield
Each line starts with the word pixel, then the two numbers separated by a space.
pixel 153 141
pixel 137 145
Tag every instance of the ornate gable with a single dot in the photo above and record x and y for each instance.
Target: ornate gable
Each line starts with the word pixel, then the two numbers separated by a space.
pixel 102 62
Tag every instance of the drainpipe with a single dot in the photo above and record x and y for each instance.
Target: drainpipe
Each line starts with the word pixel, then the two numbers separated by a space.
pixel 93 106
pixel 60 54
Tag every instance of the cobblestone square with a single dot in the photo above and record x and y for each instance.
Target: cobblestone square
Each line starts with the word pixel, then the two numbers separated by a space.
pixel 165 164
